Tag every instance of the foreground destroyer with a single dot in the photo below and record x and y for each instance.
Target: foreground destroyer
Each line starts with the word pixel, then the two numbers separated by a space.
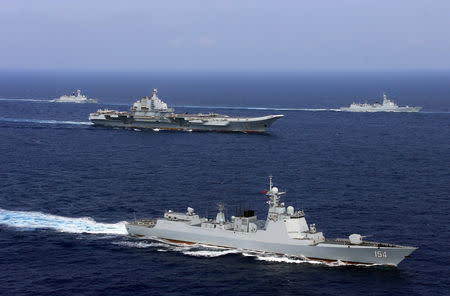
pixel 152 112
pixel 285 232
pixel 386 106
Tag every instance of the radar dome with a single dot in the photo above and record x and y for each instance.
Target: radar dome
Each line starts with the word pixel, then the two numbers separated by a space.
pixel 290 210
pixel 274 190
pixel 355 239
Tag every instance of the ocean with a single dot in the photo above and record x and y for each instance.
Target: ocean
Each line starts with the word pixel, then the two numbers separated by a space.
pixel 67 187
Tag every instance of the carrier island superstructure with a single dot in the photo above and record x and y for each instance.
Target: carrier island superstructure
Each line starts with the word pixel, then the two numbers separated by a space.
pixel 153 113
pixel 285 231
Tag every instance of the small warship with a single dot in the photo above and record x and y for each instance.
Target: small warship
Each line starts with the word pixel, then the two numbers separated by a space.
pixel 74 98
pixel 153 113
pixel 284 231
pixel 386 106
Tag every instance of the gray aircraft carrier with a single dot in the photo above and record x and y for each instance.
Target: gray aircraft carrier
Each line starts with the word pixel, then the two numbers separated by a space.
pixel 153 113
pixel 284 231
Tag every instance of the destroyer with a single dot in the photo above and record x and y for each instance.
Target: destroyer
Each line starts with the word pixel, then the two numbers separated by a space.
pixel 386 106
pixel 78 98
pixel 152 112
pixel 285 232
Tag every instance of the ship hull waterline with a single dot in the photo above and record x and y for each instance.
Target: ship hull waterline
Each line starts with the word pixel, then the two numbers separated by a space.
pixel 256 125
pixel 368 110
pixel 326 251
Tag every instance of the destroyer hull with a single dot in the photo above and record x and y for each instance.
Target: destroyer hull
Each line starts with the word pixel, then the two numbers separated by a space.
pixel 75 101
pixel 400 109
pixel 256 125
pixel 328 251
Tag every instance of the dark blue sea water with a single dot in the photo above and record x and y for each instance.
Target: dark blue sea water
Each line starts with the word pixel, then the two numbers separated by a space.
pixel 66 187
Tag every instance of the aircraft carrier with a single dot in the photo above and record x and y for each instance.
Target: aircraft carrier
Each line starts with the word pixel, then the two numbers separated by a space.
pixel 285 231
pixel 153 113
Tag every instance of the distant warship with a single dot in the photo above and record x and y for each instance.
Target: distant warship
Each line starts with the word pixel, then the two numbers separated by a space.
pixel 78 98
pixel 284 231
pixel 153 113
pixel 386 106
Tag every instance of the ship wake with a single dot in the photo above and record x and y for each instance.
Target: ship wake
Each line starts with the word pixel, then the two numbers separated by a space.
pixel 207 251
pixel 26 100
pixel 195 250
pixel 38 220
pixel 44 121
pixel 255 108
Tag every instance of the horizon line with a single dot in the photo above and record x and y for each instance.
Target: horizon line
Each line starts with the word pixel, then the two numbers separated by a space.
pixel 252 71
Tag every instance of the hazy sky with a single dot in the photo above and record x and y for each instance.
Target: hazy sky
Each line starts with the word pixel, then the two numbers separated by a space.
pixel 225 35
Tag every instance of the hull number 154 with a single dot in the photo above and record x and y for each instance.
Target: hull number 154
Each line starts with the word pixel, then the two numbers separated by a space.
pixel 380 254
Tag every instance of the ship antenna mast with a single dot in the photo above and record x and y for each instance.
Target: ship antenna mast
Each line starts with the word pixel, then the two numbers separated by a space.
pixel 270 183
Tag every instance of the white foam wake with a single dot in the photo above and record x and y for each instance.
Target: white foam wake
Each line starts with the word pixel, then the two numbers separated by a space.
pixel 196 250
pixel 139 245
pixel 26 100
pixel 208 251
pixel 255 108
pixel 44 121
pixel 35 220
pixel 272 258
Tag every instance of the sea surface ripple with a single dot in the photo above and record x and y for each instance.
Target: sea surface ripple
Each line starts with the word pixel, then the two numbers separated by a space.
pixel 66 187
